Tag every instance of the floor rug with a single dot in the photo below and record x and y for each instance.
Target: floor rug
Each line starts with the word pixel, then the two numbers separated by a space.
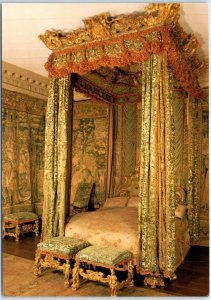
pixel 19 280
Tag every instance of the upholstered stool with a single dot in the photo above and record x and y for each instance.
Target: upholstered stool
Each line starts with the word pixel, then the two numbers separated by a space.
pixel 106 257
pixel 18 223
pixel 56 253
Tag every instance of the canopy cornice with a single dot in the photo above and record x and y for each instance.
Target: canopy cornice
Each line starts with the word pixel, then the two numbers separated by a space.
pixel 116 41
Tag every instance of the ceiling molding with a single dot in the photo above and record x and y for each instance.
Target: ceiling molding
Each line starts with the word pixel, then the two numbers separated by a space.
pixel 23 81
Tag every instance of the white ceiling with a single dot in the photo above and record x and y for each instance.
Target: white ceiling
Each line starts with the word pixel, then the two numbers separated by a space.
pixel 23 22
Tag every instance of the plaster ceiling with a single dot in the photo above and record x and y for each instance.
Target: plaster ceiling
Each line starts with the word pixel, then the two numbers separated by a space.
pixel 23 22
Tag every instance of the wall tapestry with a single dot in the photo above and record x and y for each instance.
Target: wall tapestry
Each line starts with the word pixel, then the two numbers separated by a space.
pixel 23 126
pixel 204 209
pixel 90 146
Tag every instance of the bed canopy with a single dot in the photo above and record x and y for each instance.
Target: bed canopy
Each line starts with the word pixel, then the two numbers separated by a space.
pixel 125 59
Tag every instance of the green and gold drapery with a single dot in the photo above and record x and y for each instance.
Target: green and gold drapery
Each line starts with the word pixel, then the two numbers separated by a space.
pixel 157 190
pixel 193 167
pixel 57 156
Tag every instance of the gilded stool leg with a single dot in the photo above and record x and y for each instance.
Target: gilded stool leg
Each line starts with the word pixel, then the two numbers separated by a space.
pixel 37 264
pixel 75 276
pixel 17 233
pixel 37 227
pixel 130 281
pixel 113 283
pixel 66 271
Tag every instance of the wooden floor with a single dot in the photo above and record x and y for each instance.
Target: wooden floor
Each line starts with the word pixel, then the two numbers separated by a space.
pixel 193 274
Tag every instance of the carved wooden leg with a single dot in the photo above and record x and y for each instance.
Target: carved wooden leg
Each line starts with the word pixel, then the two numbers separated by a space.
pixel 153 281
pixel 37 264
pixel 130 281
pixel 17 233
pixel 75 276
pixel 113 283
pixel 66 271
pixel 37 227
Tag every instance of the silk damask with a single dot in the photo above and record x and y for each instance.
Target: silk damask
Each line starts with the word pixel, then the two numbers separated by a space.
pixel 57 157
pixel 157 191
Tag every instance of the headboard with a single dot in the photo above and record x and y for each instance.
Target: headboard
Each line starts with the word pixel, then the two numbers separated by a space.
pixel 129 185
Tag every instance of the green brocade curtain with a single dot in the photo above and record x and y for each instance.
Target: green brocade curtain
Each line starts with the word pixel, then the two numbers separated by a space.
pixel 57 157
pixel 156 186
pixel 193 168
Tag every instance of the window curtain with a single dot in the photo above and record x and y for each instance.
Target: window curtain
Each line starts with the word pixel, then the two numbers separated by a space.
pixel 58 133
pixel 156 186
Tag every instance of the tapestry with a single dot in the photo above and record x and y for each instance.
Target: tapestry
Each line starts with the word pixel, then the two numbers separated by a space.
pixel 90 147
pixel 204 206
pixel 23 125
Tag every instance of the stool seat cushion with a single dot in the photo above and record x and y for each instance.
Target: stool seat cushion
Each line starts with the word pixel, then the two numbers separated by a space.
pixel 103 255
pixel 20 216
pixel 63 245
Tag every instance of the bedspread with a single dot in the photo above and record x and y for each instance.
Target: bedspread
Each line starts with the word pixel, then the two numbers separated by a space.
pixel 115 226
pixel 118 227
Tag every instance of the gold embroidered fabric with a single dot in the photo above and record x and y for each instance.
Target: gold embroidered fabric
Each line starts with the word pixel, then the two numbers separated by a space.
pixel 157 207
pixel 57 146
pixel 193 176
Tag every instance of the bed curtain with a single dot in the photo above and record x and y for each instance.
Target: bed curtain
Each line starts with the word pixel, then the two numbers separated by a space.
pixel 157 191
pixel 58 133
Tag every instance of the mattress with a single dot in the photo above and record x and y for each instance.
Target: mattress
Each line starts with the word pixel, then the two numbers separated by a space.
pixel 118 227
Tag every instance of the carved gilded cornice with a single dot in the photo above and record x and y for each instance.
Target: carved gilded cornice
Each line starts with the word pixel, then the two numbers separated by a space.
pixel 104 26
pixel 117 41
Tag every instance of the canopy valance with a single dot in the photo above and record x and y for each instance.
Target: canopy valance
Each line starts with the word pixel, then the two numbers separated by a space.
pixel 118 41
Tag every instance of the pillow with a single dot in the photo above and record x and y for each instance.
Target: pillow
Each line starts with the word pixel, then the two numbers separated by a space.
pixel 116 202
pixel 180 211
pixel 133 201
pixel 82 195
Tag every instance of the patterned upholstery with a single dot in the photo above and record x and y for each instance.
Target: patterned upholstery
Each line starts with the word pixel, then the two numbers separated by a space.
pixel 63 245
pixel 103 255
pixel 82 195
pixel 20 216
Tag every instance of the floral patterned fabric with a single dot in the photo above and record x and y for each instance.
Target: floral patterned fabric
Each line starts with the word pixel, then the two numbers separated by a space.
pixel 64 245
pixel 115 226
pixel 118 227
pixel 24 215
pixel 103 255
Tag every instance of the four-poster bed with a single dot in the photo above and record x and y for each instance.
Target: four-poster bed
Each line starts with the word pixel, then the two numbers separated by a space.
pixel 110 50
